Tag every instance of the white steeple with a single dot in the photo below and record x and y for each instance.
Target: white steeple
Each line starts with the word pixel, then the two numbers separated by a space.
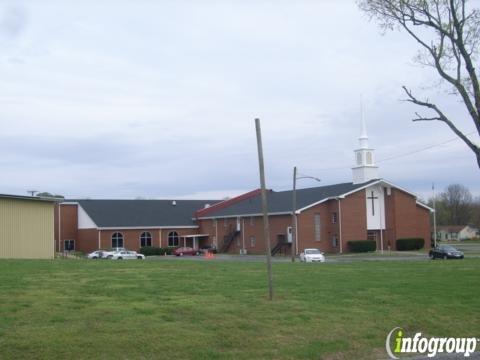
pixel 364 169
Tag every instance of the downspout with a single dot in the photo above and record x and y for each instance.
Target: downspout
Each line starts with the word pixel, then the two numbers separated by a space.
pixel 99 237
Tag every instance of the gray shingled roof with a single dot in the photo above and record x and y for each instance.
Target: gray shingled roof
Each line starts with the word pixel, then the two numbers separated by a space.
pixel 142 213
pixel 281 202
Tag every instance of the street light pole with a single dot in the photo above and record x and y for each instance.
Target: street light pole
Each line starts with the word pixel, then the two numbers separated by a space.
pixel 294 216
pixel 294 209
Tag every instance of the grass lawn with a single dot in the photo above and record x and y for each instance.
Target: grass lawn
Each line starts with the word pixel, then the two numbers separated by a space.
pixel 218 309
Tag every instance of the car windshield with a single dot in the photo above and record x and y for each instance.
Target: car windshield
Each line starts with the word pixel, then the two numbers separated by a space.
pixel 448 248
pixel 312 251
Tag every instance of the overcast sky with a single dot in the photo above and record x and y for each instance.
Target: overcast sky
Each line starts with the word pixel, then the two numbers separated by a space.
pixel 157 99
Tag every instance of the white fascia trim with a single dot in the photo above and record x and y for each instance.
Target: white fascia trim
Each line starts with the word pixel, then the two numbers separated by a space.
pixel 314 204
pixel 342 196
pixel 378 182
pixel 146 227
pixel 425 206
pixel 69 203
pixel 243 215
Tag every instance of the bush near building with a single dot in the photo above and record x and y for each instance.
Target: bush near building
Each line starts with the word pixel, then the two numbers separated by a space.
pixel 410 244
pixel 362 245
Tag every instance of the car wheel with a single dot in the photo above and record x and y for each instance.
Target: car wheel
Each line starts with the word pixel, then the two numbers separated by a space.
pixel 445 257
pixel 181 254
pixel 120 258
pixel 139 258
pixel 197 253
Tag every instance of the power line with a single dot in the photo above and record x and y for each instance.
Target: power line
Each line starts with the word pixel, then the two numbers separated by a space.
pixel 425 148
pixel 400 155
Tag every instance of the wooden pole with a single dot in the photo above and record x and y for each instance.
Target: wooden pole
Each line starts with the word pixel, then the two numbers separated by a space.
pixel 294 216
pixel 266 230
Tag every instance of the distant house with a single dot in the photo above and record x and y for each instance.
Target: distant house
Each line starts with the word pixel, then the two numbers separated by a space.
pixel 457 232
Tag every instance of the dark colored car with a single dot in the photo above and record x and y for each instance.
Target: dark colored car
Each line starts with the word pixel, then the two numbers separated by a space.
pixel 445 252
pixel 185 251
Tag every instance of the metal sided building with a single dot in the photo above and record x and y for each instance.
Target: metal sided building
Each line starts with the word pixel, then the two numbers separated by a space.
pixel 26 227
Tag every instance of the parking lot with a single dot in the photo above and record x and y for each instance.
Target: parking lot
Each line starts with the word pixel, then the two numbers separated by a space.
pixel 471 250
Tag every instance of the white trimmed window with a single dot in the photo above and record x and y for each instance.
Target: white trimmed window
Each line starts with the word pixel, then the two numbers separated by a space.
pixel 69 245
pixel 317 227
pixel 173 238
pixel 145 239
pixel 334 218
pixel 253 241
pixel 117 240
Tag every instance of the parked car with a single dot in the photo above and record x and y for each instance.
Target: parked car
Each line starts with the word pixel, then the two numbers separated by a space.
pixel 186 251
pixel 109 253
pixel 98 254
pixel 127 255
pixel 312 255
pixel 445 252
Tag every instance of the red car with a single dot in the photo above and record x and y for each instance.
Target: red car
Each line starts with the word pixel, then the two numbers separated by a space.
pixel 186 251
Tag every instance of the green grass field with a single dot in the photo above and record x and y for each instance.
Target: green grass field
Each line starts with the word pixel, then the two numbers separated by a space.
pixel 218 309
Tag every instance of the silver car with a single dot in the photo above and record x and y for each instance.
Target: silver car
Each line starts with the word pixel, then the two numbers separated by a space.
pixel 127 255
pixel 312 255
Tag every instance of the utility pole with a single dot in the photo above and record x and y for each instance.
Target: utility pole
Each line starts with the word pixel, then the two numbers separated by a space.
pixel 434 218
pixel 266 230
pixel 294 216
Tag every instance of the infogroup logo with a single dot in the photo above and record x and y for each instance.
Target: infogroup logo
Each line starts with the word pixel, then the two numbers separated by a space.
pixel 397 344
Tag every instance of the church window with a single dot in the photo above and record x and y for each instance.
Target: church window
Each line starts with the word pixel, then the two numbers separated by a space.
pixel 145 239
pixel 117 240
pixel 173 238
pixel 334 218
pixel 369 158
pixel 359 158
pixel 317 227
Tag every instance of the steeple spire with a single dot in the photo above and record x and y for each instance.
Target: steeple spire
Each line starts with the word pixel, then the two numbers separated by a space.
pixel 364 169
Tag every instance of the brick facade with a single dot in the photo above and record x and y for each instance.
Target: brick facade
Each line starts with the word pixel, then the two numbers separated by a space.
pixel 341 220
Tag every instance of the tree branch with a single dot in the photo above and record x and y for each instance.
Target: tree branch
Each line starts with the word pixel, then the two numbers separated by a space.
pixel 440 117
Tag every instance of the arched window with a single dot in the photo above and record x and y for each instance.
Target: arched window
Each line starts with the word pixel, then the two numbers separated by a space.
pixel 359 158
pixel 369 158
pixel 173 238
pixel 117 240
pixel 145 239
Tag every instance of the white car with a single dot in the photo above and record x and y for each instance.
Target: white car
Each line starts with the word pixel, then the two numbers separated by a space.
pixel 127 255
pixel 96 254
pixel 109 253
pixel 312 255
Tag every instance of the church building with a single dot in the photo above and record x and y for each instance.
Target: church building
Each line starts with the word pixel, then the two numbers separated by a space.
pixel 327 217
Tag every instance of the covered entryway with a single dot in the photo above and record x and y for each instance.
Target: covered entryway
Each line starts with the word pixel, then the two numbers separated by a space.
pixel 193 240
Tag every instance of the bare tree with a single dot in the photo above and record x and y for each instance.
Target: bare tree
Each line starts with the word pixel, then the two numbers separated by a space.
pixel 457 200
pixel 448 32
